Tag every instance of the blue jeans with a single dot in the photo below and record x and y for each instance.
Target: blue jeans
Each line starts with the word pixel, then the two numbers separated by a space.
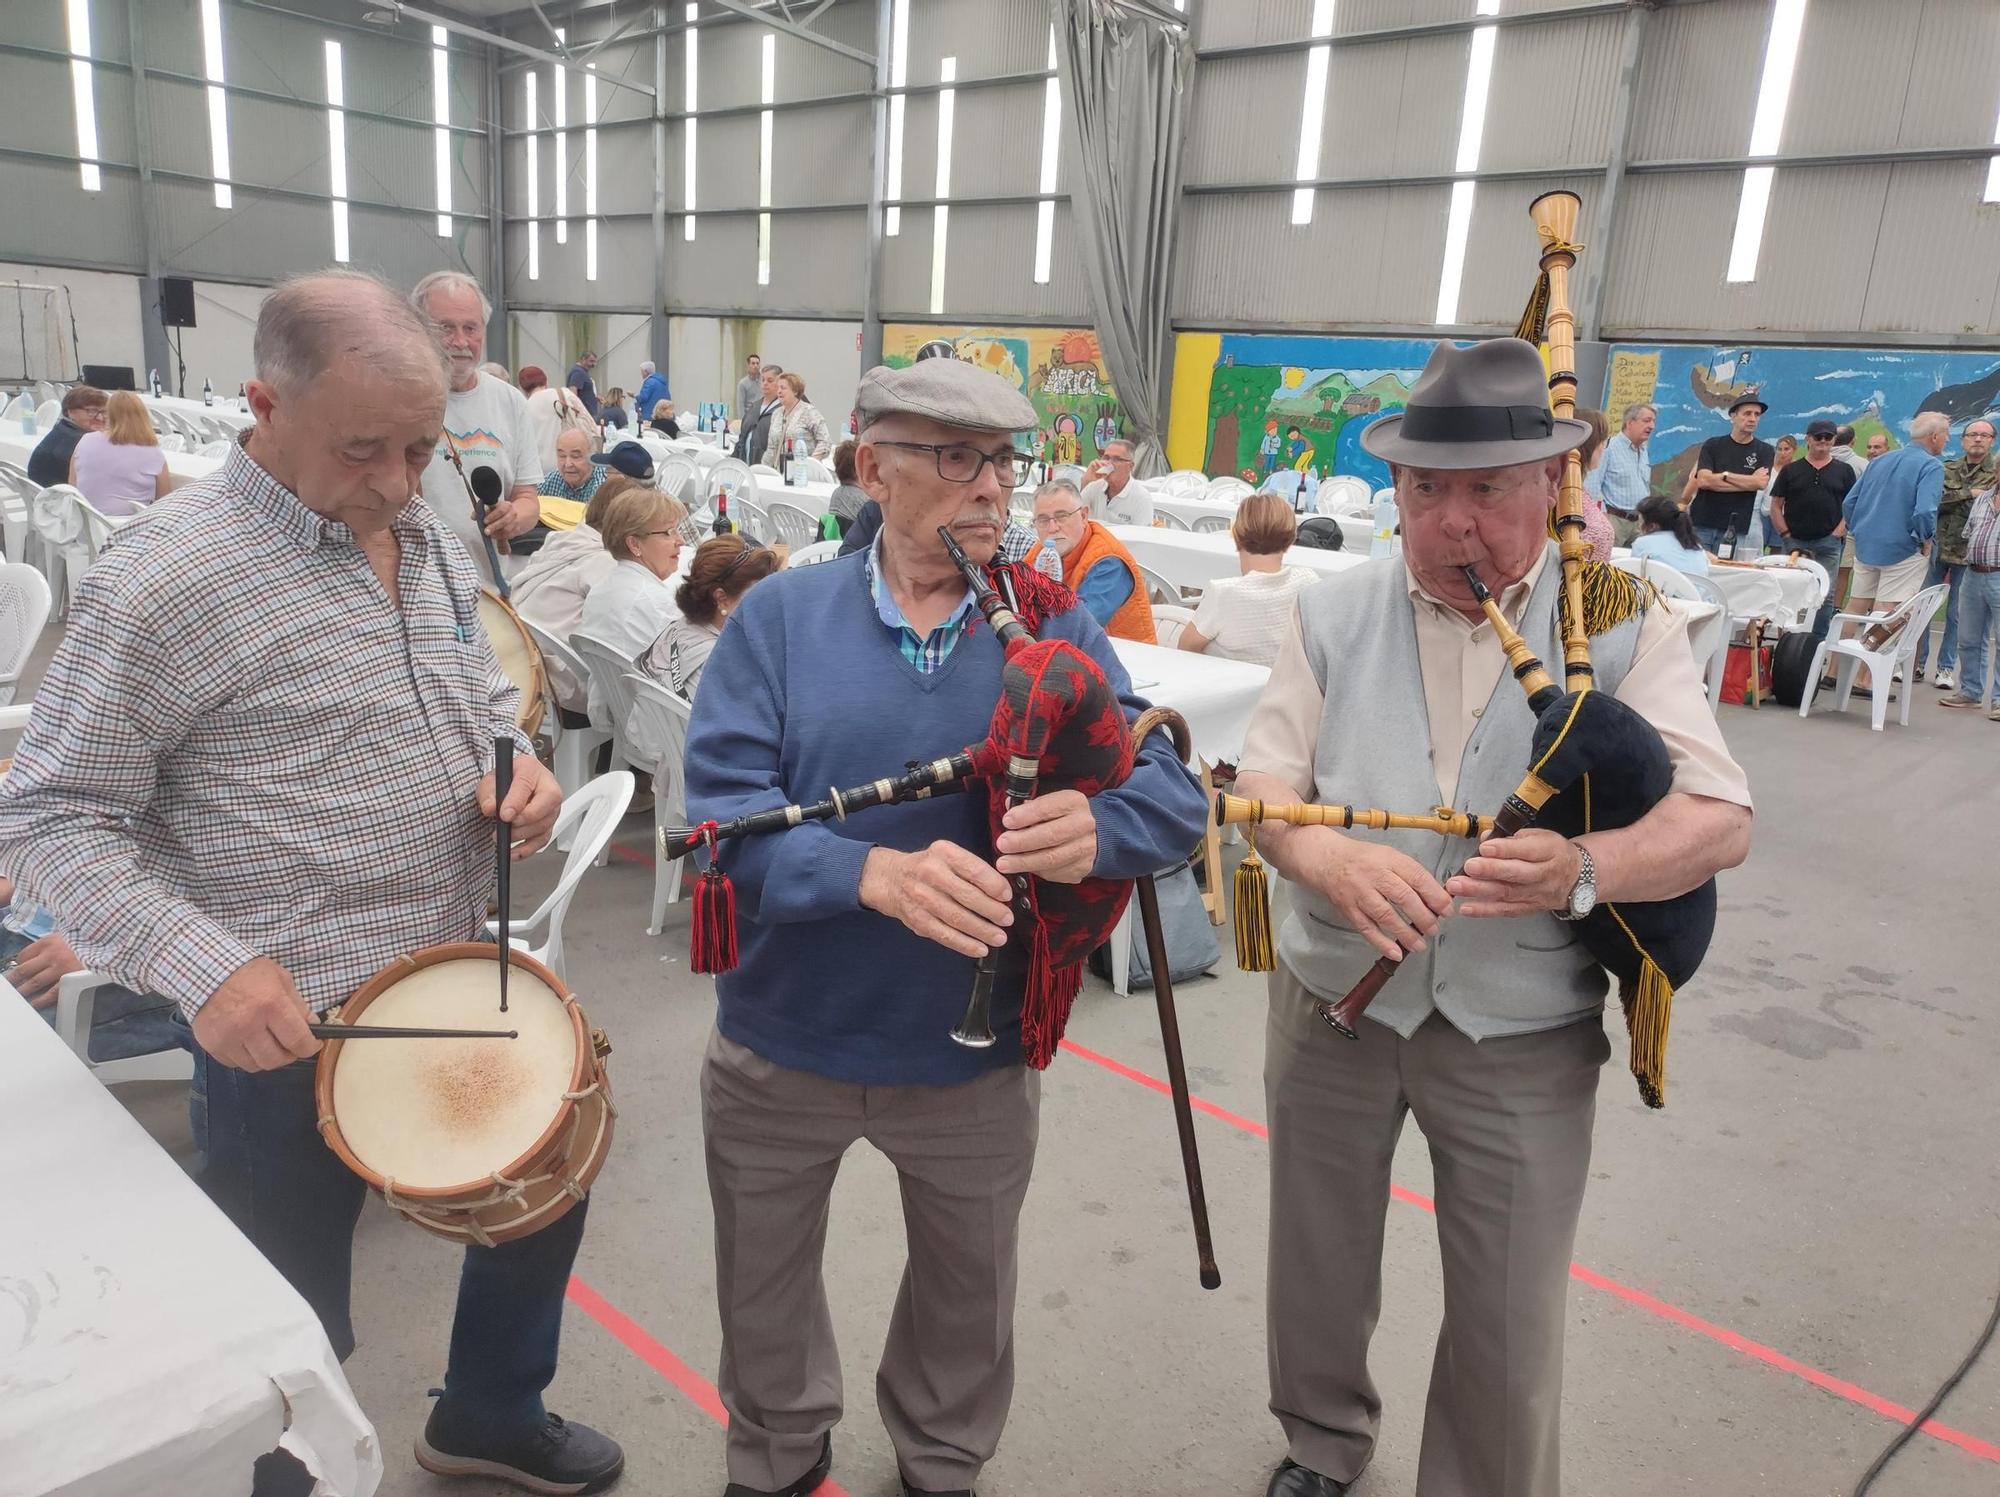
pixel 1711 536
pixel 1978 612
pixel 275 1178
pixel 123 1024
pixel 1948 646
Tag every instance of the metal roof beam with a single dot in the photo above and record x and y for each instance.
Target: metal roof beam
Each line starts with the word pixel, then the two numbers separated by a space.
pixel 790 27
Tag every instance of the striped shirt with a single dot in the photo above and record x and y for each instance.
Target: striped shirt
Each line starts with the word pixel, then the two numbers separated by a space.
pixel 243 748
pixel 1982 530
pixel 925 651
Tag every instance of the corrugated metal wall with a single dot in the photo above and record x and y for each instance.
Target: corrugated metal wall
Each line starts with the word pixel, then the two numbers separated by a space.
pixel 1897 247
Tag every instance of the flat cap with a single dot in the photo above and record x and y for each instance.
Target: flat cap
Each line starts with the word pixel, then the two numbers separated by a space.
pixel 949 391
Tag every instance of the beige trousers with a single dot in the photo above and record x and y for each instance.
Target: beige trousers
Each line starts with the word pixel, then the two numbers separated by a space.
pixel 1508 1122
pixel 963 1154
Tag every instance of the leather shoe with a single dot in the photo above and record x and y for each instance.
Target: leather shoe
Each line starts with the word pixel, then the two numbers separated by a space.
pixel 807 1483
pixel 910 1491
pixel 1293 1480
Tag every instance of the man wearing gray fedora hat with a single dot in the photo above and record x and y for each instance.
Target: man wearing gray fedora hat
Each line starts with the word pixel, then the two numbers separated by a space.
pixel 1392 691
pixel 859 936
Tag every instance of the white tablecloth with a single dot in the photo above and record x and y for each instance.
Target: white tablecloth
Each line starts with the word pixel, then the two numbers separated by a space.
pixel 1215 695
pixel 1192 562
pixel 145 1346
pixel 225 409
pixel 1746 590
pixel 1355 531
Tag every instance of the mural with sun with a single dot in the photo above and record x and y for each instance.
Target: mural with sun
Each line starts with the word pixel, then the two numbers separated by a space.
pixel 1276 402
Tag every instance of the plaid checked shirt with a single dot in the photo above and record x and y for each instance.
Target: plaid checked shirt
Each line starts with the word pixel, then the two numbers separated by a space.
pixel 925 651
pixel 244 749
pixel 1982 531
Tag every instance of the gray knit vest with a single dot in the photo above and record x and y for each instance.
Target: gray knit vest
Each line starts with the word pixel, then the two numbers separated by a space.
pixel 1488 977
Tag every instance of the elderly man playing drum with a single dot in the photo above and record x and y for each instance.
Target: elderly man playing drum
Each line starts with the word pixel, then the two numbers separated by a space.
pixel 859 940
pixel 259 770
pixel 1392 691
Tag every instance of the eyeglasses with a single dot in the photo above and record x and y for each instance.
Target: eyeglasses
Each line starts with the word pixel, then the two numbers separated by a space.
pixel 959 462
pixel 649 534
pixel 1056 517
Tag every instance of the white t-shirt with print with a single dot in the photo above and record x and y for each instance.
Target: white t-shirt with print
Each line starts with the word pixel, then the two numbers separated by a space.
pixel 489 427
pixel 1245 618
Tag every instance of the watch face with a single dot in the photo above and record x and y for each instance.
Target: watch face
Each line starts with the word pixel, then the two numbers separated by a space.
pixel 1582 901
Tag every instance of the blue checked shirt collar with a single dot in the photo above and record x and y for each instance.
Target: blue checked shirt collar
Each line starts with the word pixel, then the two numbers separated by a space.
pixel 927 652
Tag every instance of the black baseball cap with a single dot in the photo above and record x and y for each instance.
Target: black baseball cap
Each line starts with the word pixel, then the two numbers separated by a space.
pixel 1821 429
pixel 629 458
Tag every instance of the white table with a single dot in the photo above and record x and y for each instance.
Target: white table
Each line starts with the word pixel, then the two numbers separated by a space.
pixel 1798 593
pixel 145 1346
pixel 225 409
pixel 1214 694
pixel 1192 562
pixel 185 466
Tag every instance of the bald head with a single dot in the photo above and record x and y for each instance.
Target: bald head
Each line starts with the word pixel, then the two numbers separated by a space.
pixel 313 321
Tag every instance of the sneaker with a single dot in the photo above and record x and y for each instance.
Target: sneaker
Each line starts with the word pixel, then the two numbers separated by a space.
pixel 1959 700
pixel 1946 681
pixel 556 1460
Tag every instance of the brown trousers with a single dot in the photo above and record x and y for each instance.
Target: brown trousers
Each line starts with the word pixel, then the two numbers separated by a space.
pixel 963 1155
pixel 1508 1122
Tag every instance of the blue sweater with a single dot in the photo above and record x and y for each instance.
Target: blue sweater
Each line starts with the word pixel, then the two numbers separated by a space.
pixel 806 689
pixel 1892 511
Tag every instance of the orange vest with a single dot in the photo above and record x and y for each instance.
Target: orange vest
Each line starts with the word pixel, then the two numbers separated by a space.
pixel 1134 618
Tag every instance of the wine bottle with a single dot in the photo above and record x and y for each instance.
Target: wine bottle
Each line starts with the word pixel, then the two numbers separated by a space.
pixel 207 393
pixel 721 525
pixel 1726 551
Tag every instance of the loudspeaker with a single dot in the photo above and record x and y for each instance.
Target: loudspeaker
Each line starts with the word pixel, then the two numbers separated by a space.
pixel 176 301
pixel 110 376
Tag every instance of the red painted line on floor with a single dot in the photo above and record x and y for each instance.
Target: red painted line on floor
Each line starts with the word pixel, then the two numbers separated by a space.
pixel 1637 1298
pixel 634 1337
pixel 626 854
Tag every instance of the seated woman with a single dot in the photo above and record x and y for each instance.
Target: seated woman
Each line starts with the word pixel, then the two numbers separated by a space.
pixel 121 469
pixel 846 500
pixel 663 422
pixel 550 588
pixel 1245 617
pixel 631 604
pixel 1667 534
pixel 612 411
pixel 721 573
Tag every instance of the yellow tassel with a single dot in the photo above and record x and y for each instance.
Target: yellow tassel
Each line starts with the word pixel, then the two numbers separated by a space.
pixel 1610 596
pixel 1649 1008
pixel 1254 948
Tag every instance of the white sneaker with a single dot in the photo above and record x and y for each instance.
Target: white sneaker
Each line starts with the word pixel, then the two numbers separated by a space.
pixel 1946 681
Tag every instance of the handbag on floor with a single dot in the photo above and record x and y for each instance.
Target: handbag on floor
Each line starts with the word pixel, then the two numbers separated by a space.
pixel 1192 947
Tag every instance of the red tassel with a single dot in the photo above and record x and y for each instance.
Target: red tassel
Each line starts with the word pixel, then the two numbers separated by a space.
pixel 712 937
pixel 1045 1006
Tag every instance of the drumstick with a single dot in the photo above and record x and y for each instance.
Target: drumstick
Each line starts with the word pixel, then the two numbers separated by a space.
pixel 391 1032
pixel 503 780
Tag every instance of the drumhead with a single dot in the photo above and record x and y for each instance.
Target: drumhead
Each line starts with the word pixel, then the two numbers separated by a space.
pixel 520 659
pixel 433 1114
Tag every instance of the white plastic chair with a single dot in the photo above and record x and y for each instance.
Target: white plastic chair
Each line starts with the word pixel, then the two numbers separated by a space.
pixel 17 492
pixel 1808 565
pixel 76 1006
pixel 1210 524
pixel 812 555
pixel 174 441
pixel 24 610
pixel 1718 660
pixel 611 703
pixel 569 685
pixel 1669 580
pixel 1168 621
pixel 678 476
pixel 47 414
pixel 752 519
pixel 20 403
pixel 1344 494
pixel 1848 656
pixel 1170 520
pixel 762 471
pixel 815 470
pixel 217 448
pixel 586 823
pixel 1228 488
pixel 733 474
pixel 58 517
pixel 1158 589
pixel 1182 483
pixel 795 527
pixel 657 730
pixel 694 529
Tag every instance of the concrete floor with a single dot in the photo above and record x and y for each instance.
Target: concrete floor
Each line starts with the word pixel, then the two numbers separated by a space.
pixel 1808 1233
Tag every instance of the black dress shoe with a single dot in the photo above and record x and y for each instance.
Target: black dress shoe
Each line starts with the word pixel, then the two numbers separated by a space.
pixel 557 1460
pixel 807 1483
pixel 1293 1480
pixel 910 1491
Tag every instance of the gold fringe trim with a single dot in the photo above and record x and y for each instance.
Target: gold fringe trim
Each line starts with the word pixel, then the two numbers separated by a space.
pixel 1534 324
pixel 1610 597
pixel 1649 1009
pixel 1255 951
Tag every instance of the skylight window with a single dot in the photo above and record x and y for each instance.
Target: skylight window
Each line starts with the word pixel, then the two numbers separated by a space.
pixel 1471 131
pixel 218 101
pixel 1781 55
pixel 336 148
pixel 83 85
pixel 1312 113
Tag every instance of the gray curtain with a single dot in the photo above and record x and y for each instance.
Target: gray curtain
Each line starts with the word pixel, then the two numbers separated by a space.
pixel 1125 80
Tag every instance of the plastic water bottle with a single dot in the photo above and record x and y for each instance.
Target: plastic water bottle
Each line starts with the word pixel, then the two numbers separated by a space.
pixel 27 418
pixel 1383 541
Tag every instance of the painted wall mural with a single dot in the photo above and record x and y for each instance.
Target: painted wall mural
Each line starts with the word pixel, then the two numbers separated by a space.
pixel 1249 404
pixel 1060 370
pixel 1872 390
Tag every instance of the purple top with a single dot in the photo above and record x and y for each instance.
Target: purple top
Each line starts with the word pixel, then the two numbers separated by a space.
pixel 117 477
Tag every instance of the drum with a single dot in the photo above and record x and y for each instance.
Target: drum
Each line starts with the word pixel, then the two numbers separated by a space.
pixel 476 1140
pixel 520 658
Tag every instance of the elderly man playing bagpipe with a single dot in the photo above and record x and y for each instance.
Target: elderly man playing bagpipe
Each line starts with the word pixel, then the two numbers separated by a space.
pixel 859 938
pixel 1393 690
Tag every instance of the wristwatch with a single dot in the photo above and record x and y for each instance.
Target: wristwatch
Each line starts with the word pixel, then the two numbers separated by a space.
pixel 1583 896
